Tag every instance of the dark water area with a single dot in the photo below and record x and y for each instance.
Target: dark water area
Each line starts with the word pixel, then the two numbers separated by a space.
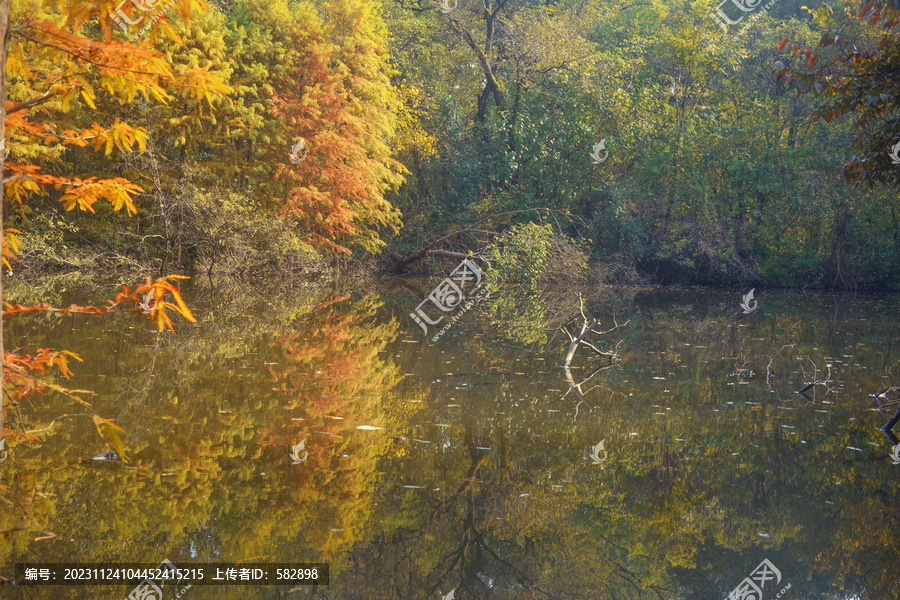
pixel 464 464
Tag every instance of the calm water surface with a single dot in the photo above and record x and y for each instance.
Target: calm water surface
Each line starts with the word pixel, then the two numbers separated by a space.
pixel 463 464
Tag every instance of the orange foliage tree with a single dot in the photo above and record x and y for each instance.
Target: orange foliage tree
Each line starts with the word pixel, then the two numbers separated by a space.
pixel 335 95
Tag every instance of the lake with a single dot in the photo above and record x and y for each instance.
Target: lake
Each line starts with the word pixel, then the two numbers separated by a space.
pixel 464 464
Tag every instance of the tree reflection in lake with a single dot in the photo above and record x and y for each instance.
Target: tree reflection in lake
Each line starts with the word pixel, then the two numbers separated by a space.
pixel 480 480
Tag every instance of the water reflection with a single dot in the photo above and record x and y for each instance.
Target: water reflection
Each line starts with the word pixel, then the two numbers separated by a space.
pixel 463 465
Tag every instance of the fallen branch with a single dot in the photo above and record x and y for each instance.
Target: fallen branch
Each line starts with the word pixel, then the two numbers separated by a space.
pixel 811 384
pixel 401 264
pixel 577 341
pixel 447 254
pixel 889 426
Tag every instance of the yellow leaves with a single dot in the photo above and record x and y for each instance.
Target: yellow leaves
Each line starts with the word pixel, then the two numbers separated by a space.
pixel 170 31
pixel 10 245
pixel 201 84
pixel 157 310
pixel 25 179
pixel 119 135
pixel 108 429
pixel 87 91
pixel 409 132
pixel 84 193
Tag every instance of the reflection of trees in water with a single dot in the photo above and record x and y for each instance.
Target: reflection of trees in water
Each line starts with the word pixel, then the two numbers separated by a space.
pixel 685 509
pixel 209 419
pixel 675 512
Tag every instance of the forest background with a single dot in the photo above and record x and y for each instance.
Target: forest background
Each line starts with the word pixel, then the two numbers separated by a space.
pixel 621 140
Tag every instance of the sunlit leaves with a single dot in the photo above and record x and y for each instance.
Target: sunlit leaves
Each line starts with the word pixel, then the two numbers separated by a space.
pixel 85 193
pixel 61 65
pixel 10 245
pixel 119 135
pixel 158 291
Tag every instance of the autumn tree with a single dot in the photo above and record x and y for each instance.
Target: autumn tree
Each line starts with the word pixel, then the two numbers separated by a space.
pixel 60 66
pixel 853 68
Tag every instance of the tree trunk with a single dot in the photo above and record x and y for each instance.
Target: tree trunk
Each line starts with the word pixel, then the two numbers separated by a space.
pixel 4 48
